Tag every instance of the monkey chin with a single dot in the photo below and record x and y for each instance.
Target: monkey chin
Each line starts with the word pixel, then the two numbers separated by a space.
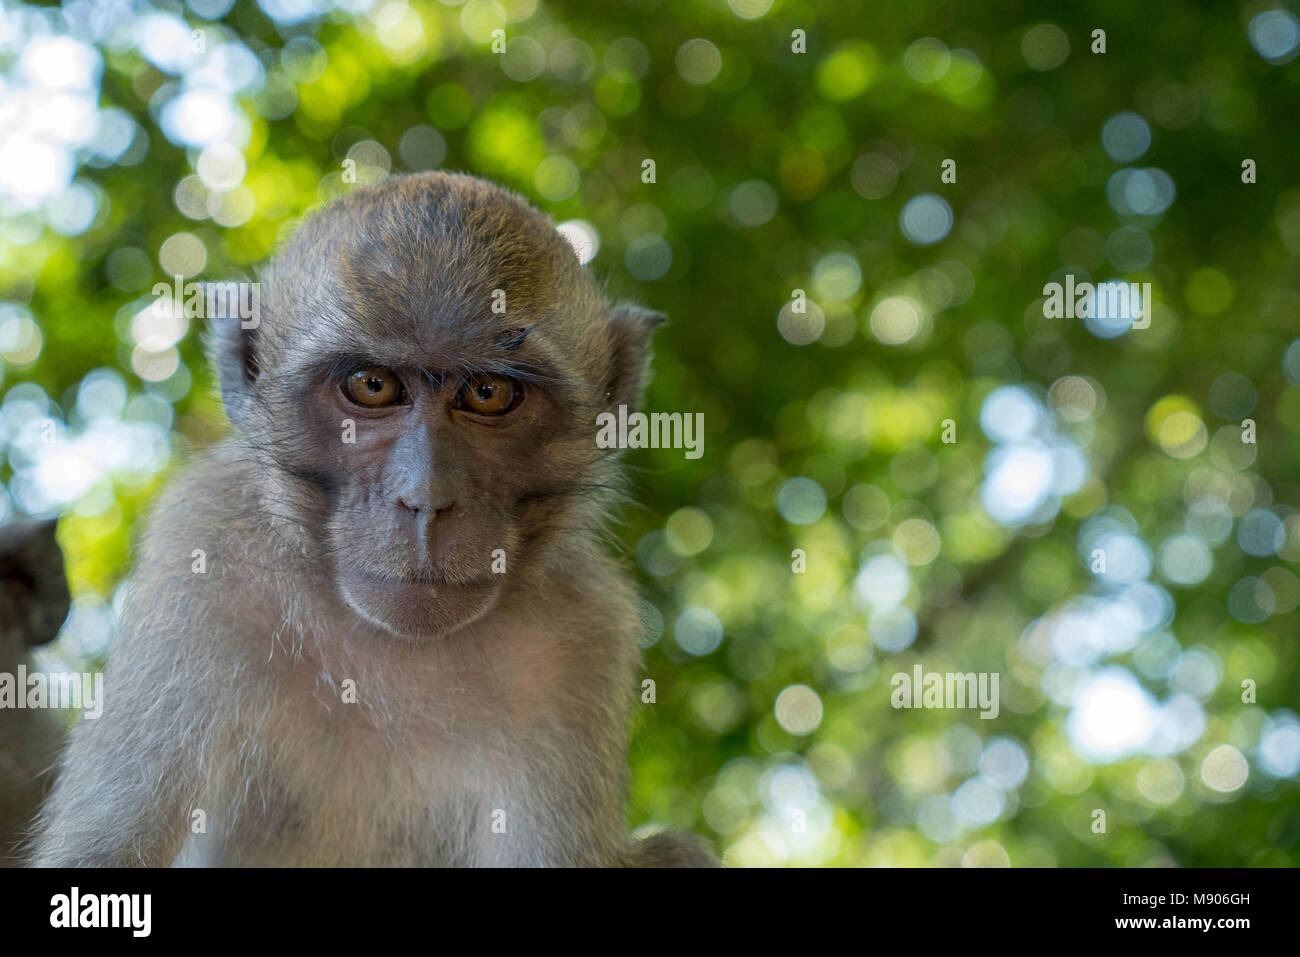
pixel 415 610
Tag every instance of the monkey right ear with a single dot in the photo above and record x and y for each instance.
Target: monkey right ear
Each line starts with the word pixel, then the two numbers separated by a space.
pixel 232 351
pixel 630 329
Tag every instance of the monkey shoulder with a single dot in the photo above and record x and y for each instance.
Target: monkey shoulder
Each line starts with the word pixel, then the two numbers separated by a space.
pixel 206 559
pixel 209 523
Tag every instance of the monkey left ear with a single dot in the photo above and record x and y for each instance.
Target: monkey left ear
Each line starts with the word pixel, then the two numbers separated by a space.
pixel 630 329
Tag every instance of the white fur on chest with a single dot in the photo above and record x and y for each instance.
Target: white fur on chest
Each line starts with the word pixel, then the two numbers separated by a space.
pixel 418 774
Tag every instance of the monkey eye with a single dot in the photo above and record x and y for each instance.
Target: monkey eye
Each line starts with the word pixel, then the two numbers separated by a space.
pixel 373 386
pixel 490 395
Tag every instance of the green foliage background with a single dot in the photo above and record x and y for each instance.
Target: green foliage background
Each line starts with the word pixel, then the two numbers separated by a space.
pixel 715 752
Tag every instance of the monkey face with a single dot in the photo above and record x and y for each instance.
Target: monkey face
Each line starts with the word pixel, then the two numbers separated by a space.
pixel 429 495
pixel 424 389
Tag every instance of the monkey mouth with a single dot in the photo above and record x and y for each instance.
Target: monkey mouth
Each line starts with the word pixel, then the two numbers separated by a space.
pixel 403 580
pixel 414 604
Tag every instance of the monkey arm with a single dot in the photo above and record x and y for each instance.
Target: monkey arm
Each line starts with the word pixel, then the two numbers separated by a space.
pixel 118 799
pixel 113 806
pixel 110 807
pixel 130 778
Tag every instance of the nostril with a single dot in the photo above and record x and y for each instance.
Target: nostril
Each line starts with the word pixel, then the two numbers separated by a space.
pixel 416 507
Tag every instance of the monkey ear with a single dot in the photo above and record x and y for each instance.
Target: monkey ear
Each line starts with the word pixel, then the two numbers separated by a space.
pixel 232 350
pixel 630 329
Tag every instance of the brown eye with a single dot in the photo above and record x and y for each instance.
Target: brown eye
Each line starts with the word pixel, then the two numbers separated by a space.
pixel 373 386
pixel 490 395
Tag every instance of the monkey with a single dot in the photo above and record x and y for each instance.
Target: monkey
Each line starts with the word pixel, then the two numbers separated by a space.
pixel 34 602
pixel 377 624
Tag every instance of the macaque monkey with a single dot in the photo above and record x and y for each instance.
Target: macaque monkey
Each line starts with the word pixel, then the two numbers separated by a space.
pixel 375 626
pixel 33 604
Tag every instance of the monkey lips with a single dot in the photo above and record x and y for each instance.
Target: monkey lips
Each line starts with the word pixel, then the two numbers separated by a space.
pixel 414 606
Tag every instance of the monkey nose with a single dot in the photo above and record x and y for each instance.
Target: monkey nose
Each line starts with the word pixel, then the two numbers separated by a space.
pixel 420 506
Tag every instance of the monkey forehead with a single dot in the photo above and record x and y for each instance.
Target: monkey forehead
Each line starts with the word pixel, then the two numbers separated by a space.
pixel 433 249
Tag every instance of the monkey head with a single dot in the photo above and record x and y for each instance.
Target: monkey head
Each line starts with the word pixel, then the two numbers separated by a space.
pixel 33 590
pixel 420 393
